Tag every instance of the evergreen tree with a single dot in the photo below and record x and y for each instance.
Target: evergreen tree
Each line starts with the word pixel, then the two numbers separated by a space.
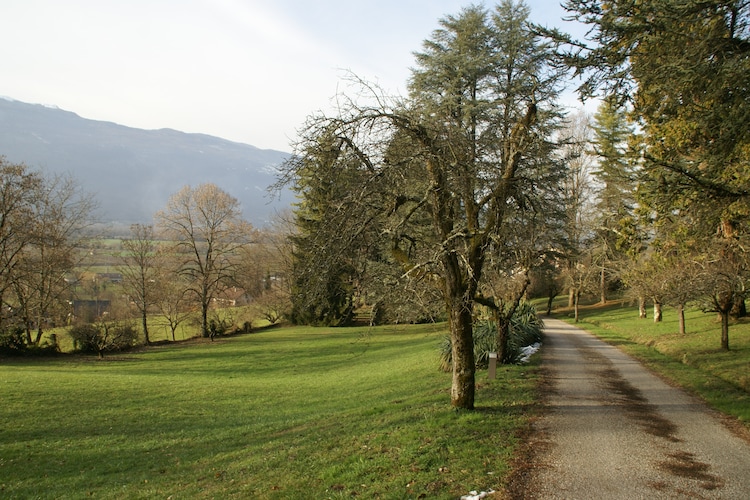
pixel 616 233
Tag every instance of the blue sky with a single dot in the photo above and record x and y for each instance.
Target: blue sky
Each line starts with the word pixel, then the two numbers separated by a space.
pixel 245 70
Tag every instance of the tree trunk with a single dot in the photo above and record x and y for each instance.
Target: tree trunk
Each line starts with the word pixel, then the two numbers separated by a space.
pixel 144 318
pixel 602 287
pixel 657 311
pixel 642 308
pixel 681 318
pixel 503 338
pixel 39 333
pixel 462 339
pixel 725 330
pixel 571 297
pixel 549 304
pixel 739 309
pixel 576 298
pixel 204 319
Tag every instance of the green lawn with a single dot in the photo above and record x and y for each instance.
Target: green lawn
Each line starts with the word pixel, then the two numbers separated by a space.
pixel 694 360
pixel 284 413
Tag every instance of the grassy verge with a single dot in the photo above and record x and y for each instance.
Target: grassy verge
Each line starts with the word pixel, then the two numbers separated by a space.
pixel 694 360
pixel 285 413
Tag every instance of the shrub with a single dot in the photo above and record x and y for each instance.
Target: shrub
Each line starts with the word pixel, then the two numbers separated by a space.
pixel 525 330
pixel 103 337
pixel 12 341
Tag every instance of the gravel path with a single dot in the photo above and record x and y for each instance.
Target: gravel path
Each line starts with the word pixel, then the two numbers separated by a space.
pixel 614 430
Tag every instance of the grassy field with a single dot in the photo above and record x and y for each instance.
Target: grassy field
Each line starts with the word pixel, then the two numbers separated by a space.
pixel 283 413
pixel 694 360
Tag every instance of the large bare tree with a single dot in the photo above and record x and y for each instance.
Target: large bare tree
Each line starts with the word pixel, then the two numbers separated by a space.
pixel 206 225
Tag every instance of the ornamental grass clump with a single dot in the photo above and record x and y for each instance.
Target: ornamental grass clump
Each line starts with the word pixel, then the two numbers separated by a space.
pixel 525 329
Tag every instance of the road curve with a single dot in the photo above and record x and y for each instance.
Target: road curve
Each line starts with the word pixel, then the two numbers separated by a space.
pixel 613 430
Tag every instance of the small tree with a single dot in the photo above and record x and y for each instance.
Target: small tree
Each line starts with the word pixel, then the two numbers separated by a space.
pixel 103 336
pixel 139 271
pixel 172 297
pixel 726 276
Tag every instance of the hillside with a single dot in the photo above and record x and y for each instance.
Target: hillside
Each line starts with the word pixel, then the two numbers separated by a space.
pixel 132 172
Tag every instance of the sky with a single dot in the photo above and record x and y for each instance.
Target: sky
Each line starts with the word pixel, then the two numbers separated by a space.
pixel 248 71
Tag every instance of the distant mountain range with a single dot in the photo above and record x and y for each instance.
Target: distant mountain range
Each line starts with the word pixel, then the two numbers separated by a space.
pixel 133 172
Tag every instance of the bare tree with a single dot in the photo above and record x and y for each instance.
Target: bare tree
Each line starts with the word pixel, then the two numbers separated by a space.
pixel 173 300
pixel 18 187
pixel 205 223
pixel 265 271
pixel 139 270
pixel 60 212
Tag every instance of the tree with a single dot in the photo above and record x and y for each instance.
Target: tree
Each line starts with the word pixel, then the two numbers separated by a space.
pixel 172 297
pixel 577 202
pixel 206 226
pixel 139 270
pixel 325 246
pixel 18 189
pixel 60 213
pixel 726 276
pixel 266 269
pixel 616 233
pixel 445 171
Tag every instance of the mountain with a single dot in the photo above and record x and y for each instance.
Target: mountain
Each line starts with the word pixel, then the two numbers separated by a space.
pixel 133 172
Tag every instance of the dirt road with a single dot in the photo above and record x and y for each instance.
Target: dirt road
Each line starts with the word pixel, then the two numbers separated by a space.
pixel 614 430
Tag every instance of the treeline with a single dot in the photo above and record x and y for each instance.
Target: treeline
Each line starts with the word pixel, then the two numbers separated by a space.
pixel 198 257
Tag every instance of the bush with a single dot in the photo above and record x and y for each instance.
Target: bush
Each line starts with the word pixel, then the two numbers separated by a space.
pixel 103 337
pixel 525 330
pixel 12 341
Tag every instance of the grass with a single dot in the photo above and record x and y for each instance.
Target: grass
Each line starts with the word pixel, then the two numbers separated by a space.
pixel 284 413
pixel 695 360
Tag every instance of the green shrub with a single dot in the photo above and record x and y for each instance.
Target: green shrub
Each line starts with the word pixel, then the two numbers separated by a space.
pixel 12 341
pixel 525 330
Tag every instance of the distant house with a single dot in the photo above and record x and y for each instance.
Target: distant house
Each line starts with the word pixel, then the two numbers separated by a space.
pixel 88 310
pixel 111 277
pixel 231 297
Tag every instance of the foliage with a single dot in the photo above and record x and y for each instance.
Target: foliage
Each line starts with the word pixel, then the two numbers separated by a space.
pixel 526 329
pixel 12 341
pixel 683 68
pixel 103 337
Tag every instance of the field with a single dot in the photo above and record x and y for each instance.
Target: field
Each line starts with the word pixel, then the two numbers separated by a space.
pixel 282 413
pixel 694 360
